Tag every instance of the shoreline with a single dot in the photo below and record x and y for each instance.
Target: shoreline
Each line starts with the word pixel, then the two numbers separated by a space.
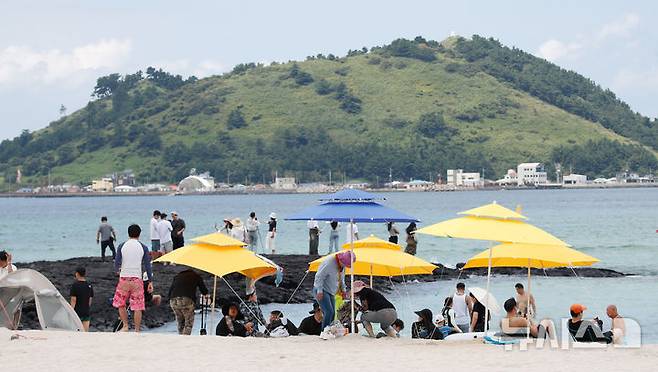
pixel 101 275
pixel 289 192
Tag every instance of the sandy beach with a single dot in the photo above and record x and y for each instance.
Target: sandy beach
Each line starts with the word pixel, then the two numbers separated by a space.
pixel 39 350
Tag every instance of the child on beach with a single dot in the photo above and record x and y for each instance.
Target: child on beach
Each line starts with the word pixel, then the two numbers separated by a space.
pixel 82 294
pixel 5 264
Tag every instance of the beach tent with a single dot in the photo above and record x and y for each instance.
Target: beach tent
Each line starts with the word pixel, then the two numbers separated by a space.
pixel 377 257
pixel 351 205
pixel 220 255
pixel 535 256
pixel 494 223
pixel 24 285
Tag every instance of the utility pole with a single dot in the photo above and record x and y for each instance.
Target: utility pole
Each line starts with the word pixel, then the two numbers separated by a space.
pixel 390 175
pixel 329 177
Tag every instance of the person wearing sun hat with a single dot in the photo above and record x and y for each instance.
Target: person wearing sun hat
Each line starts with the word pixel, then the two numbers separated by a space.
pixel 271 233
pixel 376 309
pixel 585 330
pixel 325 285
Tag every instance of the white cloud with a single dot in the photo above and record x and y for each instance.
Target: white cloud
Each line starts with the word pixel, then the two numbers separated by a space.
pixel 23 63
pixel 646 79
pixel 620 27
pixel 552 49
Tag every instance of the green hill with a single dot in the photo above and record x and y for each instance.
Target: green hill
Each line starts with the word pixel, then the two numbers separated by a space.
pixel 417 107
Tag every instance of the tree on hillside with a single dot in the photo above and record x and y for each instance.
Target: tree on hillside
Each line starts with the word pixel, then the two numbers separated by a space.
pixel 432 125
pixel 235 119
pixel 410 49
pixel 323 87
pixel 62 110
pixel 106 85
pixel 300 77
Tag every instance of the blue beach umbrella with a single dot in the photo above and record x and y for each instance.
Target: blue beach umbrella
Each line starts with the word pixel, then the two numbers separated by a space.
pixel 351 205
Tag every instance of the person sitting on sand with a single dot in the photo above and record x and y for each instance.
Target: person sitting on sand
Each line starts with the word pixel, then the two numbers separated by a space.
pixel 6 266
pixel 81 295
pixel 449 316
pixel 231 323
pixel 398 326
pixel 376 309
pixel 131 257
pixel 477 316
pixel 253 316
pixel 424 328
pixel 514 325
pixel 312 325
pixel 522 302
pixel 585 330
pixel 326 283
pixel 617 327
pixel 443 327
pixel 279 326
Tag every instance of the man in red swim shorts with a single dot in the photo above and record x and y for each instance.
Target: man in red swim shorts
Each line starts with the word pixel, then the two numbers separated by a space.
pixel 131 261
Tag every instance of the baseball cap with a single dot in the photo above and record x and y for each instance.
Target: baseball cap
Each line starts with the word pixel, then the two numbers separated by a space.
pixel 577 308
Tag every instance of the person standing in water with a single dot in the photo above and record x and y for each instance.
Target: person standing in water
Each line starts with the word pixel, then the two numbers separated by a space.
pixel 393 232
pixel 252 231
pixel 313 237
pixel 352 232
pixel 412 242
pixel 106 237
pixel 155 235
pixel 271 233
pixel 333 236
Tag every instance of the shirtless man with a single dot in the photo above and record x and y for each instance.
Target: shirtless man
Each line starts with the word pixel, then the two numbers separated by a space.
pixel 618 327
pixel 514 325
pixel 522 302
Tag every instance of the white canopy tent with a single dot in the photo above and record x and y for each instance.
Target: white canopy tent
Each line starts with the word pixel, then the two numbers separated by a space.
pixel 24 285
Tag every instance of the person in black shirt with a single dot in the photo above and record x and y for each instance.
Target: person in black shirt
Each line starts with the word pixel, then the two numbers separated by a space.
pixel 585 330
pixel 477 315
pixel 376 309
pixel 279 326
pixel 424 327
pixel 182 298
pixel 231 323
pixel 312 325
pixel 271 233
pixel 178 227
pixel 82 294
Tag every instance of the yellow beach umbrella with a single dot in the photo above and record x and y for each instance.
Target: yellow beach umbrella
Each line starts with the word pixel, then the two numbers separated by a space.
pixel 220 261
pixel 531 255
pixel 377 257
pixel 220 240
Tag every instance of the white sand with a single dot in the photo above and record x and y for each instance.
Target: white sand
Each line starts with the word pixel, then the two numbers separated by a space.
pixel 46 351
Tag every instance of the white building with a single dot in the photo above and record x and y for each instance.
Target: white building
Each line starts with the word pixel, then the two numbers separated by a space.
pixel 575 179
pixel 509 179
pixel 284 183
pixel 125 188
pixel 457 177
pixel 197 183
pixel 532 174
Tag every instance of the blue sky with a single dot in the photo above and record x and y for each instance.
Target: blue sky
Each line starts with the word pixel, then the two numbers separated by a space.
pixel 51 52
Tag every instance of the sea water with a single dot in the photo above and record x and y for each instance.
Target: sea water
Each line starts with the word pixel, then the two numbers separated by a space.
pixel 618 226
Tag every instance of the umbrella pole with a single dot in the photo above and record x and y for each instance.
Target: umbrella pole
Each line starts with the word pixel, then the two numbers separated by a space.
pixel 212 310
pixel 486 302
pixel 528 305
pixel 352 277
pixel 370 275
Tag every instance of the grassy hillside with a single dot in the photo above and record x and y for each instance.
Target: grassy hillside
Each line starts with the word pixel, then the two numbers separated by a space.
pixel 417 107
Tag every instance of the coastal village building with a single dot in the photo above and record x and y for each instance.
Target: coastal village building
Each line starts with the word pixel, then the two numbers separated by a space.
pixel 105 184
pixel 419 185
pixel 531 174
pixel 575 179
pixel 457 177
pixel 284 183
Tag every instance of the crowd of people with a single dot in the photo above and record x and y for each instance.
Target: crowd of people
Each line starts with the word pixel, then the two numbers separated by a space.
pixel 462 312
